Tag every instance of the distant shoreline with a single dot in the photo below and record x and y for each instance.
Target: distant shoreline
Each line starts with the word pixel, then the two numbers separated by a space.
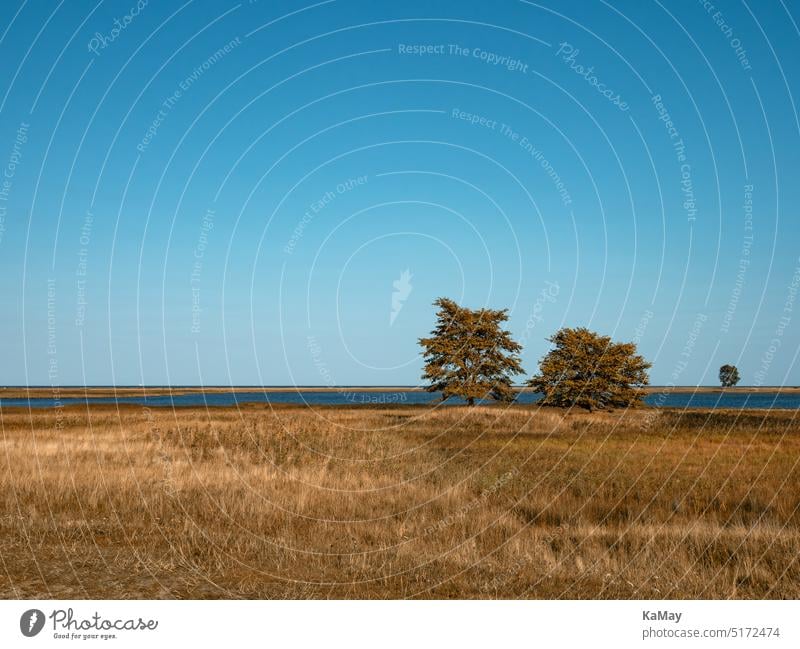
pixel 21 392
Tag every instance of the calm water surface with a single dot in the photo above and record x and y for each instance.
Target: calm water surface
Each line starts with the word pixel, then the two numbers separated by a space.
pixel 760 400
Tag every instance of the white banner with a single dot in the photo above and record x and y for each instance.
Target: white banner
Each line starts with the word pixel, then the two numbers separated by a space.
pixel 400 624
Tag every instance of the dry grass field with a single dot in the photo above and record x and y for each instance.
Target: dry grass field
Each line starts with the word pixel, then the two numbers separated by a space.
pixel 398 502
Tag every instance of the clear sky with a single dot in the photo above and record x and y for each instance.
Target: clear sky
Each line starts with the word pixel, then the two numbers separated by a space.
pixel 232 193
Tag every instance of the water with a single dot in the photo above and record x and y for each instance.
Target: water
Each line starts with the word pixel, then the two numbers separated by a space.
pixel 736 400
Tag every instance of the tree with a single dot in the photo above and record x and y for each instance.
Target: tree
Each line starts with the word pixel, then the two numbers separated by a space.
pixel 728 376
pixel 589 370
pixel 469 354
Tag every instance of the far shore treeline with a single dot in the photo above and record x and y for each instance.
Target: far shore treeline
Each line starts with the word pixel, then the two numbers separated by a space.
pixel 471 356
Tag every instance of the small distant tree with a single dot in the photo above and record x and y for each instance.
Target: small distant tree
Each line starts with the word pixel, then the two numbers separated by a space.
pixel 728 376
pixel 469 354
pixel 588 370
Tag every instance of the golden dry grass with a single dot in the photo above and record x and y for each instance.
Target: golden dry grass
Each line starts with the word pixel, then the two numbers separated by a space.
pixel 398 502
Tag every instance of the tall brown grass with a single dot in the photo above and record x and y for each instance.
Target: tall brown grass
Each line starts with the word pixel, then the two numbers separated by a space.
pixel 396 502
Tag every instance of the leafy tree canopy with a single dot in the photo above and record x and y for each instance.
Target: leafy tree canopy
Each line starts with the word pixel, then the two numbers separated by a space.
pixel 728 376
pixel 469 354
pixel 588 370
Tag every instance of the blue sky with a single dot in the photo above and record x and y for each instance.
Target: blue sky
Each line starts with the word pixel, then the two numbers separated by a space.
pixel 230 193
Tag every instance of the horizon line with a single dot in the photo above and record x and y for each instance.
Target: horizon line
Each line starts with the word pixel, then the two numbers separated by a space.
pixel 319 387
